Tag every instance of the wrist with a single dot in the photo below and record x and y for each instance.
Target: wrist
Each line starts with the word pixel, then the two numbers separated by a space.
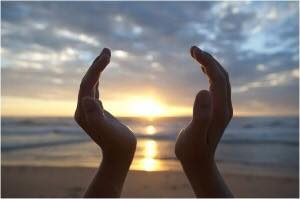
pixel 120 153
pixel 202 164
pixel 114 166
pixel 118 157
pixel 188 155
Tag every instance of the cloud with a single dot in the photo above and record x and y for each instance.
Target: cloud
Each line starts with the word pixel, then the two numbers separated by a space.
pixel 77 37
pixel 270 80
pixel 47 47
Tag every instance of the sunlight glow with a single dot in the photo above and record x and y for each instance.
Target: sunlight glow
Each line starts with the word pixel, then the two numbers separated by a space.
pixel 150 149
pixel 149 164
pixel 13 106
pixel 150 130
pixel 146 107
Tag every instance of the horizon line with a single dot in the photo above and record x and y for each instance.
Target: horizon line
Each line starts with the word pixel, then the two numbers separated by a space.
pixel 142 117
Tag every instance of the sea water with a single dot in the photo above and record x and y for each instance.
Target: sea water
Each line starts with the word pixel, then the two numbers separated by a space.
pixel 265 144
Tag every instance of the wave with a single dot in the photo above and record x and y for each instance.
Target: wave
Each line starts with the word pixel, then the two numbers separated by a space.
pixel 41 145
pixel 231 140
pixel 257 141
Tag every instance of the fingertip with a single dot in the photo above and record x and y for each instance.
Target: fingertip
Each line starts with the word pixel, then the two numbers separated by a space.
pixel 104 59
pixel 105 55
pixel 202 108
pixel 192 51
pixel 106 52
pixel 195 51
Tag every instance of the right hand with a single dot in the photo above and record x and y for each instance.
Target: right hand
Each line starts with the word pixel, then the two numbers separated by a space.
pixel 116 140
pixel 211 114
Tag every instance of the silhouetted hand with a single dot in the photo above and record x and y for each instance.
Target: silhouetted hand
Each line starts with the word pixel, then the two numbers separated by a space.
pixel 117 142
pixel 197 143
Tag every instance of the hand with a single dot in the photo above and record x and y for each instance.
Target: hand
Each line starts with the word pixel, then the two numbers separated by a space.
pixel 212 112
pixel 196 144
pixel 117 142
pixel 114 138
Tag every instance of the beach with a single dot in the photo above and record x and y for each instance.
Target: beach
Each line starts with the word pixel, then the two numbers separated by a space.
pixel 28 181
pixel 53 157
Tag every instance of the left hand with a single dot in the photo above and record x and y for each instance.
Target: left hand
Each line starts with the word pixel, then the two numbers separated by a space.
pixel 115 139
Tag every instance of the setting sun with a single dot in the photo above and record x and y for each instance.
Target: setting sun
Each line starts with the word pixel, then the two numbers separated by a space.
pixel 150 130
pixel 146 107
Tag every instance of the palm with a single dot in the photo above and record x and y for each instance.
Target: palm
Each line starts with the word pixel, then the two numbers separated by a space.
pixel 118 133
pixel 107 131
pixel 212 112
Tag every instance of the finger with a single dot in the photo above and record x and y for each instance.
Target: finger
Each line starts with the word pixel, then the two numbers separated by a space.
pixel 202 112
pixel 228 89
pixel 229 101
pixel 97 58
pixel 208 63
pixel 93 114
pixel 91 108
pixel 92 75
pixel 217 80
pixel 96 90
pixel 109 115
pixel 80 119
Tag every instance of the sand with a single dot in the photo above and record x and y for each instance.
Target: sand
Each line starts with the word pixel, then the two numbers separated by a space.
pixel 28 181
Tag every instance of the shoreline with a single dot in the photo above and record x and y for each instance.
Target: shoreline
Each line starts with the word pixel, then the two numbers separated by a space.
pixel 227 168
pixel 48 181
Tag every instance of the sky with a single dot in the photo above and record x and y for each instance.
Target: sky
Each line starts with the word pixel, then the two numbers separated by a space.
pixel 46 47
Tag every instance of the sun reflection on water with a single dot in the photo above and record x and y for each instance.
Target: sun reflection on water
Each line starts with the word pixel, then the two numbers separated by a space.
pixel 149 164
pixel 150 151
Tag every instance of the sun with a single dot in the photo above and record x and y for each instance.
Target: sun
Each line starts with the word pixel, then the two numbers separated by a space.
pixel 146 107
pixel 150 130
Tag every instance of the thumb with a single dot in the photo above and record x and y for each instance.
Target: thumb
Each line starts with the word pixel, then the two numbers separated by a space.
pixel 202 111
pixel 93 111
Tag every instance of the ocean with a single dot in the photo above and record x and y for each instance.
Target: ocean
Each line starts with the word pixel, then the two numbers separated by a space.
pixel 249 144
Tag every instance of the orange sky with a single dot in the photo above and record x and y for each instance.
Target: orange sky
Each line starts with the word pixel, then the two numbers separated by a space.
pixel 145 107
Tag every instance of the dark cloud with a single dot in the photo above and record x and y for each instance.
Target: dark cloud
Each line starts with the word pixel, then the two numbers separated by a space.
pixel 47 46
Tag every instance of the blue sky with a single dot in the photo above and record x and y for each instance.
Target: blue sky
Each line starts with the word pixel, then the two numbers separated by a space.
pixel 47 46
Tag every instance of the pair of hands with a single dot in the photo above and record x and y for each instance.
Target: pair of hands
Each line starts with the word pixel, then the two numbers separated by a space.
pixel 195 146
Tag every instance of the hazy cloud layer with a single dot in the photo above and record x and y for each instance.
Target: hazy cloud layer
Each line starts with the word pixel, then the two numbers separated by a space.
pixel 47 46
